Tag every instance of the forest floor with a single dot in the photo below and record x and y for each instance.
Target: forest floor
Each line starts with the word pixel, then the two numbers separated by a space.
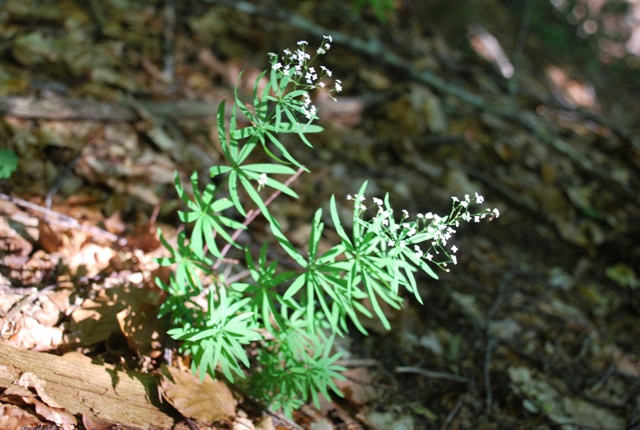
pixel 538 325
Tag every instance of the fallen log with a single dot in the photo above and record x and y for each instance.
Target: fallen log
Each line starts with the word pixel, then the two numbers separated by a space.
pixel 86 390
pixel 66 109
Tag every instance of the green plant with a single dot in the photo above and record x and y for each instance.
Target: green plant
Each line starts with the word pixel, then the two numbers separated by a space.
pixel 289 318
pixel 8 163
pixel 381 8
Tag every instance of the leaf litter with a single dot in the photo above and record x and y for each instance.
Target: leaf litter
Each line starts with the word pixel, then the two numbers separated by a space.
pixel 541 319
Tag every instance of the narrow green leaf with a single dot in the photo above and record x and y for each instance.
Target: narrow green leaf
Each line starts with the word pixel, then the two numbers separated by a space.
pixel 269 168
pixel 338 225
pixel 374 301
pixel 219 170
pixel 295 287
pixel 272 138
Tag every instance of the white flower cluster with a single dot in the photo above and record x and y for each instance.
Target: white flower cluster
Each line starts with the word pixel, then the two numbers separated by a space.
pixel 431 228
pixel 296 66
pixel 262 181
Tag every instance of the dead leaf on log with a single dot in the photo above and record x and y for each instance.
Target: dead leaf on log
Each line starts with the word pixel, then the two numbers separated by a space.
pixel 207 401
pixel 12 417
pixel 45 405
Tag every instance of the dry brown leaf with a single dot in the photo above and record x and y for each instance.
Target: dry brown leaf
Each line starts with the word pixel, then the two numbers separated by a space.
pixel 207 401
pixel 30 380
pixel 96 320
pixel 358 388
pixel 92 423
pixel 45 407
pixel 264 423
pixel 243 423
pixel 141 327
pixel 13 417
pixel 28 333
pixel 125 309
pixel 48 238
pixel 144 237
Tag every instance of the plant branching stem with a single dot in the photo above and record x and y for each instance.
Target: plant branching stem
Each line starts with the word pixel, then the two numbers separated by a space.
pixel 252 214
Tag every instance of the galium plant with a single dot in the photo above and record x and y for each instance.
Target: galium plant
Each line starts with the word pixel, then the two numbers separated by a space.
pixel 279 323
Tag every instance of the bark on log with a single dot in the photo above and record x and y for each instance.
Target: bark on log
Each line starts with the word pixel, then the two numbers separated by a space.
pixel 129 399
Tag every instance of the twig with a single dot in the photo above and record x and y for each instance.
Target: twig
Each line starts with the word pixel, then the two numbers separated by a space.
pixel 517 52
pixel 63 220
pixel 259 406
pixel 358 362
pixel 453 413
pixel 191 424
pixel 169 34
pixel 98 16
pixel 60 180
pixel 431 374
pixel 491 342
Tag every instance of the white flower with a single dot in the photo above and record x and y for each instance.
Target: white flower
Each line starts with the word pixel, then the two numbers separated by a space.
pixel 307 99
pixel 429 256
pixel 377 201
pixel 418 251
pixel 454 259
pixel 326 71
pixel 454 249
pixel 479 198
pixel 310 76
pixel 310 112
pixel 496 212
pixel 455 199
pixel 277 66
pixel 302 42
pixel 328 37
pixel 349 197
pixel 321 51
pixel 391 242
pixel 338 85
pixel 262 181
pixel 301 56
